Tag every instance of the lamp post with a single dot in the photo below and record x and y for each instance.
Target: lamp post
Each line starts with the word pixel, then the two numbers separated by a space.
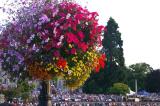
pixel 45 94
pixel 136 86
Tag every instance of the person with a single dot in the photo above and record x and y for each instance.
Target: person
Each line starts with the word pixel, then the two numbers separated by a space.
pixel 5 104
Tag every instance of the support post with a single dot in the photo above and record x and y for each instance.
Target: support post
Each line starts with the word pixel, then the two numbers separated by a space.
pixel 45 94
pixel 136 86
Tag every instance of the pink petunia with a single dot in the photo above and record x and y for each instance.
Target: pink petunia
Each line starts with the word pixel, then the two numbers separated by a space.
pixel 73 51
pixel 81 35
pixel 83 46
pixel 71 38
pixel 56 53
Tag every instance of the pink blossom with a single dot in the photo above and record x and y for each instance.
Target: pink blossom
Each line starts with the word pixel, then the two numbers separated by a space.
pixel 73 51
pixel 56 53
pixel 83 46
pixel 81 35
pixel 71 38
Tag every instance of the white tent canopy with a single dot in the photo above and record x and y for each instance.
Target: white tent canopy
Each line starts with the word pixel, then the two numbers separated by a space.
pixel 130 92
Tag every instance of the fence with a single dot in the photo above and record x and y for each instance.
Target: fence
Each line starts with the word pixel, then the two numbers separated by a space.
pixel 106 104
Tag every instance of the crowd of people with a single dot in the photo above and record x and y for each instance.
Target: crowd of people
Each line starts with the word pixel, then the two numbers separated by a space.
pixel 83 103
pixel 87 98
pixel 82 99
pixel 77 99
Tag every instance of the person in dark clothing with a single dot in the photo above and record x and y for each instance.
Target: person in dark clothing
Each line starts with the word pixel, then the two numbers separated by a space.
pixel 5 104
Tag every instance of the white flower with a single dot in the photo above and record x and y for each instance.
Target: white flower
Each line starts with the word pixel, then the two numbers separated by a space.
pixel 68 15
pixel 56 24
pixel 55 32
pixel 46 40
pixel 59 43
pixel 34 47
pixel 90 16
pixel 37 50
pixel 61 38
pixel 86 23
pixel 69 72
pixel 32 36
pixel 28 40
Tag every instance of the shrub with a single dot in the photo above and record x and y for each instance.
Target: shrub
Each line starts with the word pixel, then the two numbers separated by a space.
pixel 119 88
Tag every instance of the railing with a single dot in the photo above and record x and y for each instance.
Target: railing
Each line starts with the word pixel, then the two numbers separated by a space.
pixel 94 104
pixel 106 104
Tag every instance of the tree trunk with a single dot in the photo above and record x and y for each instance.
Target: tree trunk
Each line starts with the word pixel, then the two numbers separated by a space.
pixel 45 94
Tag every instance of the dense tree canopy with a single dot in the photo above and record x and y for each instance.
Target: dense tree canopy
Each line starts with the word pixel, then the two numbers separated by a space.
pixel 138 72
pixel 115 69
pixel 152 82
pixel 119 88
pixel 112 44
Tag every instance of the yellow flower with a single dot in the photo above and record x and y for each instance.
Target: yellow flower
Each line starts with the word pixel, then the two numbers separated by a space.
pixel 70 46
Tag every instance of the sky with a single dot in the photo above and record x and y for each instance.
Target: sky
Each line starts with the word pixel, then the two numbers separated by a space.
pixel 138 21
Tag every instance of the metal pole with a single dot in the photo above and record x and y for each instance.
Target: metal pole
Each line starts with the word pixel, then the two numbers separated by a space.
pixel 49 102
pixel 45 94
pixel 136 86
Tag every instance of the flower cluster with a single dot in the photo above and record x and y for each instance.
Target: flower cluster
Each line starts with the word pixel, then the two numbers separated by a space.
pixel 37 71
pixel 12 62
pixel 58 41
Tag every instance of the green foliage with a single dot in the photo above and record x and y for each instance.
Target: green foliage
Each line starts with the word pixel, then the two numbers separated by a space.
pixel 112 44
pixel 119 88
pixel 10 94
pixel 152 82
pixel 25 89
pixel 138 71
pixel 22 90
pixel 91 88
pixel 114 71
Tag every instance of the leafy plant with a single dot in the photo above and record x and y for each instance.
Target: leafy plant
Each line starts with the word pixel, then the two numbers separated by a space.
pixel 119 88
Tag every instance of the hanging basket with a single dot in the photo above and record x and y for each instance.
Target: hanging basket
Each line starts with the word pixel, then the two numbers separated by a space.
pixel 37 71
pixel 58 41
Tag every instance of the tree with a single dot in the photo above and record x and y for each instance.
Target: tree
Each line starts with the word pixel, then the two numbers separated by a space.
pixel 152 82
pixel 114 70
pixel 112 44
pixel 91 88
pixel 138 72
pixel 119 88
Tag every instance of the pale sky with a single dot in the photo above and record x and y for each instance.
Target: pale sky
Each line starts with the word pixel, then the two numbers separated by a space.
pixel 139 22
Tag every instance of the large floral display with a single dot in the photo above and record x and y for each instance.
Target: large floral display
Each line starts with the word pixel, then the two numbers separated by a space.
pixel 53 41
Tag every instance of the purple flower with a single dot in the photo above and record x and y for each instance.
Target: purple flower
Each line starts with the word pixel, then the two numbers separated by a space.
pixel 44 18
pixel 56 53
pixel 15 68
